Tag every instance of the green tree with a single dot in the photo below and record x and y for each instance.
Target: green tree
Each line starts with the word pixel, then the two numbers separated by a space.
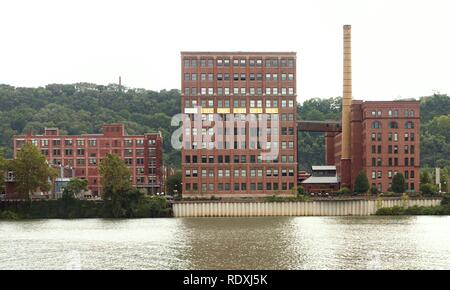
pixel 425 177
pixel 398 183
pixel 74 187
pixel 300 190
pixel 31 171
pixel 173 183
pixel 361 183
pixel 115 176
pixel 428 189
pixel 344 190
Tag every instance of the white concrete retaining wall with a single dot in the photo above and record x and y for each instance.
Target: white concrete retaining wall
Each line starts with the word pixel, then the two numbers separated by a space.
pixel 309 208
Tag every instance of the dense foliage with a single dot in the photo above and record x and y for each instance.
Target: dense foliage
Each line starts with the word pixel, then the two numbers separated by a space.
pixel 74 187
pixel 83 108
pixel 173 183
pixel 31 171
pixel 443 209
pixel 116 177
pixel 398 183
pixel 311 144
pixel 75 208
pixel 361 183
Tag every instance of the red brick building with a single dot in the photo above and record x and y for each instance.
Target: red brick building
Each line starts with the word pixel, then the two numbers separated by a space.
pixel 385 139
pixel 238 84
pixel 141 153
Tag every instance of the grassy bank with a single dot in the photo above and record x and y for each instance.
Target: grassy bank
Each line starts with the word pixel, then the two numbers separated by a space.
pixel 71 209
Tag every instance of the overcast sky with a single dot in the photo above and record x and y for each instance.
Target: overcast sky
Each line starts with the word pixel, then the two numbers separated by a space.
pixel 401 48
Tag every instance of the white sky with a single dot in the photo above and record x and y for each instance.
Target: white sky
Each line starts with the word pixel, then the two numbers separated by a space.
pixel 401 48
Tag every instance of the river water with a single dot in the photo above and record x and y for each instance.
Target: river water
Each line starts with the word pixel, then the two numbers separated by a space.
pixel 228 243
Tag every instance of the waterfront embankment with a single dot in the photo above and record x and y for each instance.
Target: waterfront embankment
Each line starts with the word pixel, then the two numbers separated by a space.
pixel 340 207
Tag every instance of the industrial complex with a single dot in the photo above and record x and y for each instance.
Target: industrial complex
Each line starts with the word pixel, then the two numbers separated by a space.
pixel 240 135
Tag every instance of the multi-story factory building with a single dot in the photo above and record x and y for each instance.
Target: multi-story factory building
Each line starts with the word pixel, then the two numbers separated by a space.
pixel 224 86
pixel 141 153
pixel 385 140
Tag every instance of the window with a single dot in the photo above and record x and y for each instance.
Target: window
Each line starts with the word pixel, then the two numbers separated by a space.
pixel 409 125
pixel 393 125
pixel 376 125
pixel 409 113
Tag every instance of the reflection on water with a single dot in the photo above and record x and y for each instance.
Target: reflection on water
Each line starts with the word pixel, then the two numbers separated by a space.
pixel 228 243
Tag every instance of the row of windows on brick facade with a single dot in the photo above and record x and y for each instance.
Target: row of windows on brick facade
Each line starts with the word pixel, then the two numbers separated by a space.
pixel 238 172
pixel 391 113
pixel 82 152
pixel 379 186
pixel 227 159
pixel 269 103
pixel 253 131
pixel 151 180
pixel 239 186
pixel 393 125
pixel 261 145
pixel 219 145
pixel 229 117
pixel 241 118
pixel 393 136
pixel 239 77
pixel 236 91
pixel 90 143
pixel 379 174
pixel 93 161
pixel 393 161
pixel 408 149
pixel 238 62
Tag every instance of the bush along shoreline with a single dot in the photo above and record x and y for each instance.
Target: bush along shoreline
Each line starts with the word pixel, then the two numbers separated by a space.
pixel 144 207
pixel 442 209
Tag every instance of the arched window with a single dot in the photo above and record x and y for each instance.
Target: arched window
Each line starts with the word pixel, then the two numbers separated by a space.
pixel 409 125
pixel 409 113
pixel 393 125
pixel 376 125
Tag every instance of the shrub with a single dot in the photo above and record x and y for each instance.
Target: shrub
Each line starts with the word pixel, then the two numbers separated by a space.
pixel 446 199
pixel 344 190
pixel 361 183
pixel 396 210
pixel 398 183
pixel 274 198
pixel 428 189
pixel 8 215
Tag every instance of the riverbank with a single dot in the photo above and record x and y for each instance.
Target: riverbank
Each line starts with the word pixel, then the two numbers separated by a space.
pixel 74 209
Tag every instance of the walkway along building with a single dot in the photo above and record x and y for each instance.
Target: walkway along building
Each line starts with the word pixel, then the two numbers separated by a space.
pixel 141 153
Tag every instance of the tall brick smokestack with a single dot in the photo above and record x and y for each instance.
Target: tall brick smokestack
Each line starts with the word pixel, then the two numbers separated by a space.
pixel 346 109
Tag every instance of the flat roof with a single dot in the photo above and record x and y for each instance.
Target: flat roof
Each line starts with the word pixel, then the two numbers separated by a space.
pixel 391 101
pixel 321 180
pixel 323 167
pixel 238 52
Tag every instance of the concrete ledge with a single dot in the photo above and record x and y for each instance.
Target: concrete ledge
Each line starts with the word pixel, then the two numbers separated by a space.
pixel 354 207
